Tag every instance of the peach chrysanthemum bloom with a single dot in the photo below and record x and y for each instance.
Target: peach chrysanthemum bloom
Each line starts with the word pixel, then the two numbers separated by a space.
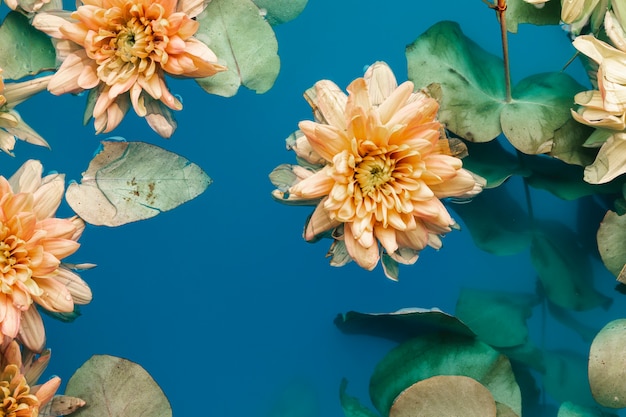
pixel 122 49
pixel 377 166
pixel 32 244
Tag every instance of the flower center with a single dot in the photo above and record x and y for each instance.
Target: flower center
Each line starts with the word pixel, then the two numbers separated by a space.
pixel 15 396
pixel 373 172
pixel 14 263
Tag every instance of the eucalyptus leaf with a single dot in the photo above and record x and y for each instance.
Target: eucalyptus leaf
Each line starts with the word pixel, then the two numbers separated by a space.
pixel 445 395
pixel 131 181
pixel 432 355
pixel 497 318
pixel 471 80
pixel 565 378
pixel 519 11
pixel 496 221
pixel 564 268
pixel 607 365
pixel 570 409
pixel 401 325
pixel 351 406
pixel 540 107
pixel 612 242
pixel 244 41
pixel 116 387
pixel 280 11
pixel 23 49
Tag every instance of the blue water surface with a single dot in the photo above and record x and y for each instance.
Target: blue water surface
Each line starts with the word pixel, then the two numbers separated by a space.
pixel 221 299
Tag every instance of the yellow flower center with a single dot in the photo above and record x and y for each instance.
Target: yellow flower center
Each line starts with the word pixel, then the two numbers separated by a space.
pixel 14 261
pixel 15 397
pixel 373 172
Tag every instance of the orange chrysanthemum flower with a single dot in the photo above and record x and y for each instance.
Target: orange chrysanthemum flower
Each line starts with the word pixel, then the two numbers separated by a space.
pixel 377 167
pixel 32 244
pixel 122 49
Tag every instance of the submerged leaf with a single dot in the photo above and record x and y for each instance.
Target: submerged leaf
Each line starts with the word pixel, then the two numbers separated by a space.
pixel 445 395
pixel 565 378
pixel 130 181
pixel 280 11
pixel 564 268
pixel 401 325
pixel 607 365
pixel 351 405
pixel 23 49
pixel 432 355
pixel 471 80
pixel 497 318
pixel 244 41
pixel 496 221
pixel 494 163
pixel 116 387
pixel 569 409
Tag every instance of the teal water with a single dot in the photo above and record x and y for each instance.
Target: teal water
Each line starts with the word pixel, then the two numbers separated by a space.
pixel 220 299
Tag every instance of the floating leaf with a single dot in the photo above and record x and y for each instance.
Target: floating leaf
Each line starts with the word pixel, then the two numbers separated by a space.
pixel 402 325
pixel 23 49
pixel 494 163
pixel 496 221
pixel 130 181
pixel 564 268
pixel 540 107
pixel 471 80
pixel 519 11
pixel 497 318
pixel 607 365
pixel 445 395
pixel 280 11
pixel 244 41
pixel 351 405
pixel 116 387
pixel 568 144
pixel 432 355
pixel 612 242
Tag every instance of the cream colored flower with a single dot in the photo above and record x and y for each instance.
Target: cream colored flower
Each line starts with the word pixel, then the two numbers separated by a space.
pixel 377 165
pixel 32 244
pixel 605 108
pixel 121 50
pixel 12 126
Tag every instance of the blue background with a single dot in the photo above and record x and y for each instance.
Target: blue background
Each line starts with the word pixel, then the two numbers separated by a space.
pixel 220 299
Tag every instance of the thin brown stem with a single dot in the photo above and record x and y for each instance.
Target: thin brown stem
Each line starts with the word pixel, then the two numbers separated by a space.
pixel 500 8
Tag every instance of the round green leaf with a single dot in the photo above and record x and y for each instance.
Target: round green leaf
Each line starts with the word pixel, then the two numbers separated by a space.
pixel 432 355
pixel 281 11
pixel 444 396
pixel 541 105
pixel 498 318
pixel 519 11
pixel 23 49
pixel 471 80
pixel 130 181
pixel 244 41
pixel 569 409
pixel 612 242
pixel 607 365
pixel 116 387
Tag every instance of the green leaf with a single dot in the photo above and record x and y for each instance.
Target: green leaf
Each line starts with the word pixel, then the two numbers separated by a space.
pixel 401 325
pixel 607 365
pixel 281 11
pixel 351 406
pixel 471 80
pixel 494 163
pixel 569 409
pixel 244 41
pixel 432 355
pixel 130 181
pixel 541 105
pixel 23 49
pixel 445 395
pixel 568 145
pixel 496 221
pixel 497 318
pixel 612 242
pixel 564 268
pixel 518 12
pixel 116 387
pixel 559 381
